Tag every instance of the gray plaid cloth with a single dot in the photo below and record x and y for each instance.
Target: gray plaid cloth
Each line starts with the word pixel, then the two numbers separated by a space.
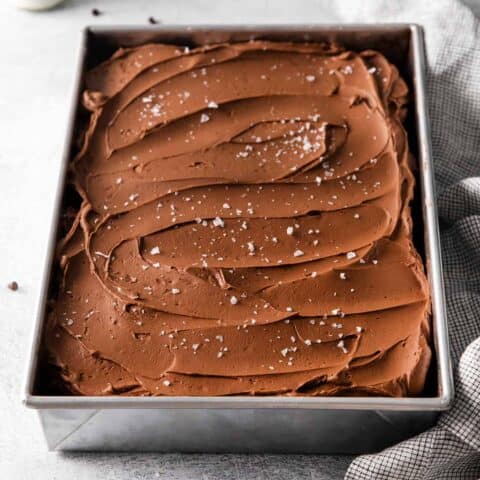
pixel 451 449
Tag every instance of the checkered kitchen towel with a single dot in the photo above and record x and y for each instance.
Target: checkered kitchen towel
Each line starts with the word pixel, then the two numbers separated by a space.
pixel 450 450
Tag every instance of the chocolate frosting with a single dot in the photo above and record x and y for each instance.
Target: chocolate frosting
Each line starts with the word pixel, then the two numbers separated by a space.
pixel 244 228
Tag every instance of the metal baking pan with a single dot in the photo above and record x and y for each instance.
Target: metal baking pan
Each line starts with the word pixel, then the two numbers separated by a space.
pixel 243 423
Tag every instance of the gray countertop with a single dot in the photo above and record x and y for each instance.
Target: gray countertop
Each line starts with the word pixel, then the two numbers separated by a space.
pixel 37 63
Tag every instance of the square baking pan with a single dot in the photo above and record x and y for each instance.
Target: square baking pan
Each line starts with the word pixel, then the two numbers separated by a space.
pixel 266 423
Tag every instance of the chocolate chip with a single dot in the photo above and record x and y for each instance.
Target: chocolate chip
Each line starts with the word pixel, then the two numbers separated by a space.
pixel 96 12
pixel 152 20
pixel 13 286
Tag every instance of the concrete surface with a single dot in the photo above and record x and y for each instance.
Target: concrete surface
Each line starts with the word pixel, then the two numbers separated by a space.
pixel 36 71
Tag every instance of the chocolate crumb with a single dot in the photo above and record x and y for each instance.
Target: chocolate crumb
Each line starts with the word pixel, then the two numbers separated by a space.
pixel 95 12
pixel 152 20
pixel 13 286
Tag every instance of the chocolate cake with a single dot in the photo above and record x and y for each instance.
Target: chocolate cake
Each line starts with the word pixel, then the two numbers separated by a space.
pixel 244 228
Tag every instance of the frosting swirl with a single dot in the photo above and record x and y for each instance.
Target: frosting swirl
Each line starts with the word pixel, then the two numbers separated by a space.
pixel 244 227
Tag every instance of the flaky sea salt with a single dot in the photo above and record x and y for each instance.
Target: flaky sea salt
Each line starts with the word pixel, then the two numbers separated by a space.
pixel 218 222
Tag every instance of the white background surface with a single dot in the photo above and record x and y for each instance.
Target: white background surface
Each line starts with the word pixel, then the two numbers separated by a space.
pixel 37 59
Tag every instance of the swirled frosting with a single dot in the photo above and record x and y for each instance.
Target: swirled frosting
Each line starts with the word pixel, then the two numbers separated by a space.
pixel 244 228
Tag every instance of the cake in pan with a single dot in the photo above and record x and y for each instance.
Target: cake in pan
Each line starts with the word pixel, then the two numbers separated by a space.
pixel 244 228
